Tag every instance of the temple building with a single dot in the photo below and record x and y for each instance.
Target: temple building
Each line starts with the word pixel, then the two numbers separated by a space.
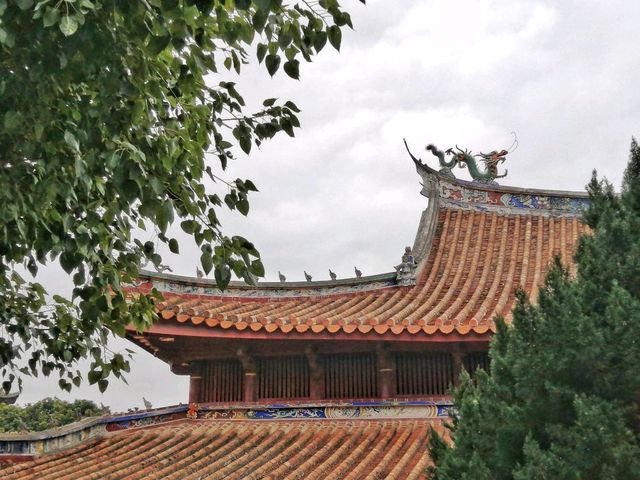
pixel 327 379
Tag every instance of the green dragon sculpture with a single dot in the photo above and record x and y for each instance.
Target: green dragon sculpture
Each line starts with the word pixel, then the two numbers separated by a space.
pixel 465 158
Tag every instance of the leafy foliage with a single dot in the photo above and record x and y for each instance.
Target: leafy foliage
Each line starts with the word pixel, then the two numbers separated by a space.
pixel 563 396
pixel 112 115
pixel 46 413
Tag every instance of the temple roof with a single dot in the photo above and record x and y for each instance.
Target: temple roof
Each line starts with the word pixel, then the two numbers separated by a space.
pixel 476 244
pixel 233 449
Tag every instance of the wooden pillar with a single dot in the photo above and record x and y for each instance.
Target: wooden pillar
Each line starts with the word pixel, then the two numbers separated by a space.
pixel 457 359
pixel 316 374
pixel 195 385
pixel 250 375
pixel 386 373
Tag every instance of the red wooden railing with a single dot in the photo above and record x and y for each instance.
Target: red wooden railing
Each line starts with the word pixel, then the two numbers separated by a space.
pixel 283 377
pixel 222 381
pixel 423 373
pixel 350 375
pixel 336 376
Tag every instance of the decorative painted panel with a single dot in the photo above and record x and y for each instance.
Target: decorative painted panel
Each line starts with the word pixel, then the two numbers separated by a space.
pixel 461 197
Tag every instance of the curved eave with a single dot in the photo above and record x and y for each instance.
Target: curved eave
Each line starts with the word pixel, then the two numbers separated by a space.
pixel 230 330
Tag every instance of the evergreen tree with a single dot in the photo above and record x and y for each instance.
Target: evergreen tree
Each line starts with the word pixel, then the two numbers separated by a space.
pixel 562 398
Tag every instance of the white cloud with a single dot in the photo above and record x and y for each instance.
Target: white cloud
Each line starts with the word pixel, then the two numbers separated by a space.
pixel 563 75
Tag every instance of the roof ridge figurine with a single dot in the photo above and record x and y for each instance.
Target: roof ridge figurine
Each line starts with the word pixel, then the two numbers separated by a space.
pixel 466 158
pixel 406 270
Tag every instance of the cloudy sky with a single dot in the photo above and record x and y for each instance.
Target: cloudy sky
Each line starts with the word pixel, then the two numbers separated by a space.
pixel 563 75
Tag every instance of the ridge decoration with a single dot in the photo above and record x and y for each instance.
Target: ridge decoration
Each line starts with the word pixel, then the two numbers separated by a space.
pixel 450 158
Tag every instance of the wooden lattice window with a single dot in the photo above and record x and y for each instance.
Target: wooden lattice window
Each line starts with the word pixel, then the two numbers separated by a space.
pixel 350 376
pixel 222 381
pixel 423 373
pixel 475 360
pixel 283 377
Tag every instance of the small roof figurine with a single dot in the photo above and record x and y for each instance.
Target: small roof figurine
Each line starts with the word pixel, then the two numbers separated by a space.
pixel 406 270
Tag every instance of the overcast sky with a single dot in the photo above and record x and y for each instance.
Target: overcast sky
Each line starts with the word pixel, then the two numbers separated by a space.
pixel 563 75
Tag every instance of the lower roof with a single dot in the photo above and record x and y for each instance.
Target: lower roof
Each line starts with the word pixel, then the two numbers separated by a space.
pixel 238 449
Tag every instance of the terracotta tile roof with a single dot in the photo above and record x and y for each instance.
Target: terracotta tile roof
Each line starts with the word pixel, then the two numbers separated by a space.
pixel 280 449
pixel 476 261
pixel 476 244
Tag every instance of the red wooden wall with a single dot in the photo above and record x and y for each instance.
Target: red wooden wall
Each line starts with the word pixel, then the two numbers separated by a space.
pixel 334 376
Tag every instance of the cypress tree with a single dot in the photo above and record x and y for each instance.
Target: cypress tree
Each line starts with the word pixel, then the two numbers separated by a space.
pixel 562 398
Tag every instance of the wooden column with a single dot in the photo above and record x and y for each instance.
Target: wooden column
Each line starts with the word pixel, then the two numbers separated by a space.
pixel 457 359
pixel 250 375
pixel 386 373
pixel 316 374
pixel 195 385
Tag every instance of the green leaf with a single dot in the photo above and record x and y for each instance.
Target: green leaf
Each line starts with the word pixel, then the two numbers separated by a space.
pixel 222 276
pixel 257 268
pixel 173 246
pixel 71 140
pixel 291 68
pixel 102 385
pixel 12 120
pixel 24 4
pixel 292 106
pixel 264 5
pixel 68 25
pixel 207 261
pixel 94 376
pixel 245 143
pixel 272 62
pixel 243 206
pixel 205 6
pixel 164 216
pixel 32 267
pixel 259 20
pixel 261 51
pixel 335 36
pixel 243 4
pixel 67 262
pixel 158 44
pixel 320 40
pixel 50 17
pixel 189 226
pixel 269 102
